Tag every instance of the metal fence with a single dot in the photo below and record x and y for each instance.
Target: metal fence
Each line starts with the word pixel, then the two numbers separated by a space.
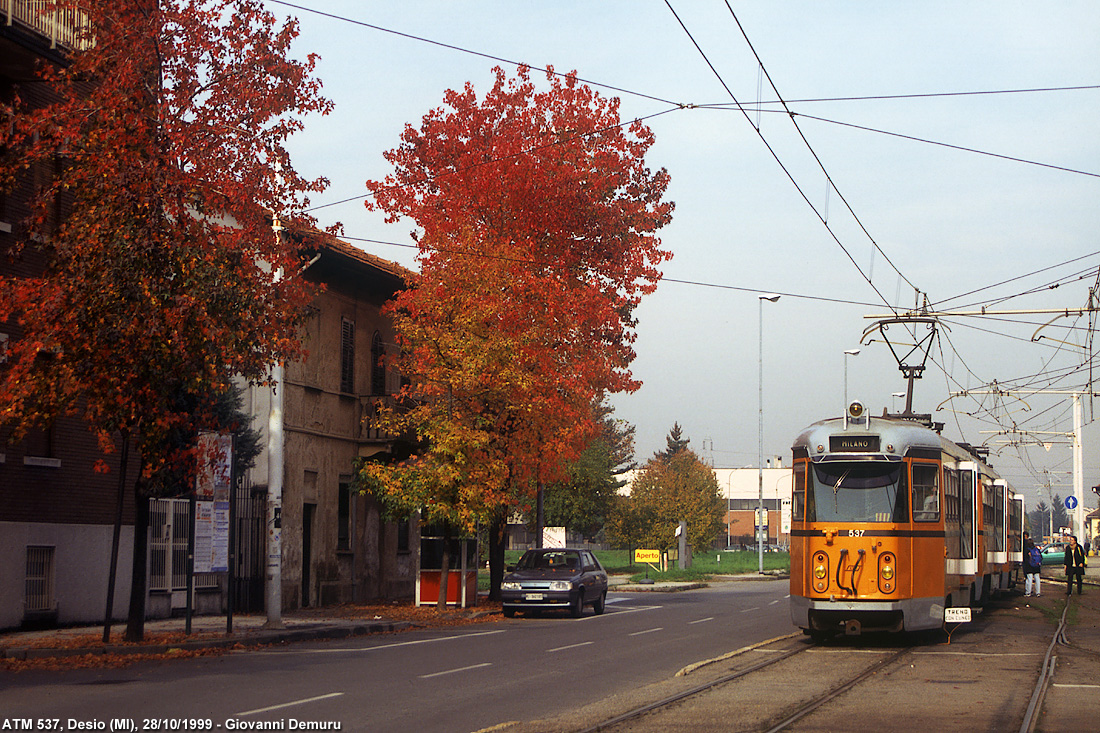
pixel 39 592
pixel 170 522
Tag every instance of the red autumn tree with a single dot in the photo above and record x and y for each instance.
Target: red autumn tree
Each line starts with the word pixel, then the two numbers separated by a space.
pixel 536 218
pixel 163 277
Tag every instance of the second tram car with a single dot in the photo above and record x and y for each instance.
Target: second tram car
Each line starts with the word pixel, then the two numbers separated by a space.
pixel 892 523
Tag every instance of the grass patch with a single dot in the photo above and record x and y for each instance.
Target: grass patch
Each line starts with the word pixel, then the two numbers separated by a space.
pixel 704 566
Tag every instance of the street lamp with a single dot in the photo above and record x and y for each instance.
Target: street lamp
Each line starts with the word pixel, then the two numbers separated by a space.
pixel 772 298
pixel 847 353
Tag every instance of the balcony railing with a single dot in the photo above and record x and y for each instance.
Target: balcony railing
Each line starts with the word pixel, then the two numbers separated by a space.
pixel 61 26
pixel 369 409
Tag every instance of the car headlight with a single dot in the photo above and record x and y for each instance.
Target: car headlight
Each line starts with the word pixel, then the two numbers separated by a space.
pixel 561 585
pixel 510 585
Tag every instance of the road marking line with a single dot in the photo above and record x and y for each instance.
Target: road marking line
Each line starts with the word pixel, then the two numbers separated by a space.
pixel 571 646
pixel 382 646
pixel 1087 687
pixel 647 631
pixel 981 654
pixel 291 704
pixel 748 610
pixel 708 618
pixel 617 612
pixel 454 671
pixel 777 600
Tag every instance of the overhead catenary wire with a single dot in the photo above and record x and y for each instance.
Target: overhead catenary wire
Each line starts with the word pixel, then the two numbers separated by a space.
pixel 778 159
pixel 1076 329
pixel 962 148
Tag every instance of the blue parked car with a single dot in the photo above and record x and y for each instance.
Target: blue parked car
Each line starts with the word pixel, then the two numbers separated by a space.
pixel 555 579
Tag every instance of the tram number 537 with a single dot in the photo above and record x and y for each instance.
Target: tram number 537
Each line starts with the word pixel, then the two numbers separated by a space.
pixel 856 532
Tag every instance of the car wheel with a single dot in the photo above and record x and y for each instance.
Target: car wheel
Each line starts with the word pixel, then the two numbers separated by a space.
pixel 599 604
pixel 509 612
pixel 576 608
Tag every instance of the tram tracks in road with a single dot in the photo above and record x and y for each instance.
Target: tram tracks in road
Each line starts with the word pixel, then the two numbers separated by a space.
pixel 992 676
pixel 629 720
pixel 1046 676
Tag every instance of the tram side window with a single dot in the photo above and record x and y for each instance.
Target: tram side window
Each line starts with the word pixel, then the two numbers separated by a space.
pixel 926 492
pixel 798 503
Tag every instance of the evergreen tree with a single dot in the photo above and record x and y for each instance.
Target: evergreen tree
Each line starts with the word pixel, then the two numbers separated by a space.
pixel 674 486
pixel 675 443
pixel 583 502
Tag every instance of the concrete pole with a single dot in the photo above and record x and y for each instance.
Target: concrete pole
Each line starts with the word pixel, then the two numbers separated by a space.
pixel 274 587
pixel 275 463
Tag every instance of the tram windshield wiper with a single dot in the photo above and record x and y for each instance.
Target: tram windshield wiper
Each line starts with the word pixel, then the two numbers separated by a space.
pixel 836 488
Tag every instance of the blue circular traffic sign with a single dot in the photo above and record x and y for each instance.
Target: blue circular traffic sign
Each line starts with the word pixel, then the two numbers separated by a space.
pixel 1071 502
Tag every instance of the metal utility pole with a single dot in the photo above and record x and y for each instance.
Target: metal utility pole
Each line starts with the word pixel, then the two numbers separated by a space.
pixel 761 516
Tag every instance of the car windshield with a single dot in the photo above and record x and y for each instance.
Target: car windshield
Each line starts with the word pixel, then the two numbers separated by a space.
pixel 858 492
pixel 558 560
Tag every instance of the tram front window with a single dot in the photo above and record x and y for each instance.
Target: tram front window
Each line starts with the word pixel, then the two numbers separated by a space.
pixel 858 492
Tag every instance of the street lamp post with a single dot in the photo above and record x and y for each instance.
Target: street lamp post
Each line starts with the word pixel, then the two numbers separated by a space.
pixel 772 298
pixel 847 353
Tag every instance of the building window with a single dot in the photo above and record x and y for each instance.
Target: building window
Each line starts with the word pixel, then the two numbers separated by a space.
pixel 39 591
pixel 38 446
pixel 343 515
pixel 377 366
pixel 347 356
pixel 404 528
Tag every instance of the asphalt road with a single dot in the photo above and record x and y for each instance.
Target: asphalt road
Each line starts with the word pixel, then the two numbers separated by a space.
pixel 520 669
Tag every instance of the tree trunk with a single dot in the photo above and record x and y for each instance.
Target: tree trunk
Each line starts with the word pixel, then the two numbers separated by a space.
pixel 498 542
pixel 135 621
pixel 124 455
pixel 441 602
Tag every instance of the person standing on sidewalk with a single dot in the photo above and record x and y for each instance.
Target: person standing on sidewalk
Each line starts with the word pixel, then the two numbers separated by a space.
pixel 1075 565
pixel 1033 563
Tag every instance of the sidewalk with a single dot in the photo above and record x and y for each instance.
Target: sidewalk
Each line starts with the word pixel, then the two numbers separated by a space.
pixel 167 636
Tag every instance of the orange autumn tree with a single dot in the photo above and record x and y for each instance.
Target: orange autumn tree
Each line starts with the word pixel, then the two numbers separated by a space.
pixel 536 218
pixel 159 160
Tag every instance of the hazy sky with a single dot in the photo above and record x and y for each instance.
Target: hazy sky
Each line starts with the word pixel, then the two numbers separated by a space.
pixel 986 198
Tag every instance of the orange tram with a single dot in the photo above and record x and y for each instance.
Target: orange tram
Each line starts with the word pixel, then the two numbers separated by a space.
pixel 892 523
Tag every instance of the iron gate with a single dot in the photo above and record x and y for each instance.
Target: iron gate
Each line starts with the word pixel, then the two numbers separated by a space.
pixel 248 583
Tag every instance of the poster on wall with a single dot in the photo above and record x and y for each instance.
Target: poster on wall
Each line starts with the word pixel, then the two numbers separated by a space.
pixel 212 493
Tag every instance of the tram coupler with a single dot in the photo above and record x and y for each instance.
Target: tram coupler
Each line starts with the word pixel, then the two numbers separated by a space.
pixel 853 627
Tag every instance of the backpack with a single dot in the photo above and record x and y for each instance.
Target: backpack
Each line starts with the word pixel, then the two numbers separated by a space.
pixel 1035 557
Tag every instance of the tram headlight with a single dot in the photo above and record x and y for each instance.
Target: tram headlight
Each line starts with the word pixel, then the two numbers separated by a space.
pixel 887 569
pixel 821 572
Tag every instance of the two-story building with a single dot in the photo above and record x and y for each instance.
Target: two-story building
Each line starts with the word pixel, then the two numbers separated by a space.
pixel 336 546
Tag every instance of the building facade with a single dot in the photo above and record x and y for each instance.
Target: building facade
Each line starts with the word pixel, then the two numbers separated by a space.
pixel 336 545
pixel 56 513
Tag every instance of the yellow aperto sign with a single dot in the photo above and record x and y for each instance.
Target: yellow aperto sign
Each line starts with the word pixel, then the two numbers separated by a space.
pixel 647 556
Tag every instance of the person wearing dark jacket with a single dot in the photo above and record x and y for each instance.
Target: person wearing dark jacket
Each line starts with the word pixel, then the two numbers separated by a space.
pixel 1031 569
pixel 1075 565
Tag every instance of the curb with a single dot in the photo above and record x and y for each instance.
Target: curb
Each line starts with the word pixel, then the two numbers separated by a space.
pixel 260 638
pixel 655 588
